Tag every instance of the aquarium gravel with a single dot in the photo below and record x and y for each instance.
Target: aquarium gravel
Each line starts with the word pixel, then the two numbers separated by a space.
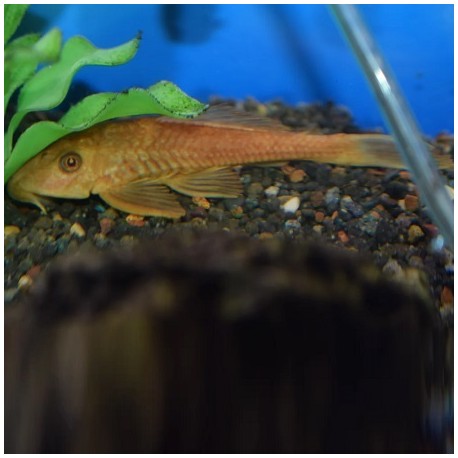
pixel 374 211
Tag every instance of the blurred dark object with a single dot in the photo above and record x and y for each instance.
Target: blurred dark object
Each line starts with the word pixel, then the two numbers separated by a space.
pixel 216 343
pixel 190 24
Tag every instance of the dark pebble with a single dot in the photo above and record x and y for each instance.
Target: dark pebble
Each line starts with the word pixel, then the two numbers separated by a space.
pixel 354 208
pixel 272 204
pixel 345 214
pixel 332 199
pixel 37 237
pixel 216 214
pixel 311 168
pixel 198 212
pixel 354 190
pixel 308 214
pixel 370 203
pixel 10 243
pixel 266 182
pixel 386 232
pixel 251 203
pixel 311 186
pixel 10 294
pixel 396 189
pixel 254 189
pixel 293 226
pixel 368 224
pixel 25 265
pixel 62 243
pixel 266 226
pixel 60 227
pixel 336 178
pixel 404 221
pixel 23 245
pixel 43 222
pixel 47 251
pixel 387 201
pixel 66 209
pixel 252 228
pixel 322 174
pixel 229 204
pixel 14 217
pixel 417 262
pixel 245 179
pixel 258 213
pixel 317 198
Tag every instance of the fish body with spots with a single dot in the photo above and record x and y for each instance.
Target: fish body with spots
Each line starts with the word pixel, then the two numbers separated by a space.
pixel 139 165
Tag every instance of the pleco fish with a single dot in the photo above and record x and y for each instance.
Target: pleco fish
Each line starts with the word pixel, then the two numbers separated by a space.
pixel 134 163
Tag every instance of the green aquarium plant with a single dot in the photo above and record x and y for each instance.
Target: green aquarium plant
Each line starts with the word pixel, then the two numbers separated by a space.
pixel 42 69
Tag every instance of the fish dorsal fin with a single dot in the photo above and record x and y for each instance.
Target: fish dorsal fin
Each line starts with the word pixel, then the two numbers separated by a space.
pixel 229 117
pixel 213 182
pixel 144 197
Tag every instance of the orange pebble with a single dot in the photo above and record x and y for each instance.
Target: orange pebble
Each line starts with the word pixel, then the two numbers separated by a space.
pixel 343 237
pixel 135 220
pixel 319 217
pixel 106 225
pixel 411 202
pixel 201 202
pixel 446 297
pixel 404 174
pixel 288 169
pixel 297 176
pixel 375 214
pixel 34 271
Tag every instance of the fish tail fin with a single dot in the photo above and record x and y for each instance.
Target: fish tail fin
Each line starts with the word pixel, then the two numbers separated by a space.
pixel 380 151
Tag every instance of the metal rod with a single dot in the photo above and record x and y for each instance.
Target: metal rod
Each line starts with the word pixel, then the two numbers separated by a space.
pixel 402 124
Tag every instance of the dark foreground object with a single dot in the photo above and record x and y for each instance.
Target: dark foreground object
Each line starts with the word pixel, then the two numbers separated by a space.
pixel 215 343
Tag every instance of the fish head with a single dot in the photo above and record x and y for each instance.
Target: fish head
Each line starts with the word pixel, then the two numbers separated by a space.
pixel 62 170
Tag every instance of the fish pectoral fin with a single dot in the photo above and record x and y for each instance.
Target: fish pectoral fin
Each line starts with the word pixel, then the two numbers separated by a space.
pixel 213 182
pixel 144 198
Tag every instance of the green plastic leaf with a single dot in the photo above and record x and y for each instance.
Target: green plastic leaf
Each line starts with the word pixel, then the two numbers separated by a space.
pixel 37 137
pixel 13 15
pixel 48 88
pixel 162 98
pixel 24 41
pixel 174 101
pixel 48 47
pixel 23 56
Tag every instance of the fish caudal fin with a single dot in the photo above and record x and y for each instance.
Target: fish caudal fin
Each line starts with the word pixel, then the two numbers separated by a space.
pixel 380 151
pixel 144 198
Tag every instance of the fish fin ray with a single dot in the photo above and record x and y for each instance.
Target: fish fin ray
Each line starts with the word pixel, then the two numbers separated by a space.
pixel 380 150
pixel 213 182
pixel 227 116
pixel 145 198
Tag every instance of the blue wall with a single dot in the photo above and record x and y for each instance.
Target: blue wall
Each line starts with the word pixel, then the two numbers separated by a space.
pixel 292 52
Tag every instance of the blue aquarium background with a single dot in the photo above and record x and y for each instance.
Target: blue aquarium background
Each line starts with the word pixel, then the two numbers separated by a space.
pixel 295 53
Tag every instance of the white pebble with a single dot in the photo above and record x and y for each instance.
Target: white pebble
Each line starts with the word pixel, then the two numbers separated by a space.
pixel 291 205
pixel 24 282
pixel 77 230
pixel 272 191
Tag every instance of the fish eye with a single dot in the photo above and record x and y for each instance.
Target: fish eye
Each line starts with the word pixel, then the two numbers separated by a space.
pixel 70 162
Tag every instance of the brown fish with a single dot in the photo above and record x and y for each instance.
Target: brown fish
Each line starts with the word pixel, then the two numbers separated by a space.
pixel 133 164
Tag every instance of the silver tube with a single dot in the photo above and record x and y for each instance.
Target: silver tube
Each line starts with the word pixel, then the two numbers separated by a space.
pixel 402 124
